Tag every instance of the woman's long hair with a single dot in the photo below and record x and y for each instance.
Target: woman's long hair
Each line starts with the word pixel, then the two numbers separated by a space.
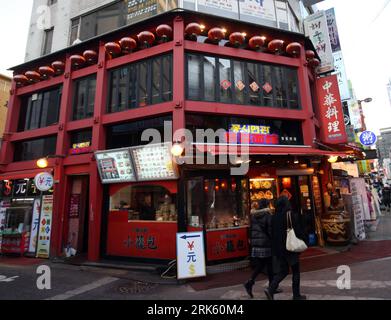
pixel 283 205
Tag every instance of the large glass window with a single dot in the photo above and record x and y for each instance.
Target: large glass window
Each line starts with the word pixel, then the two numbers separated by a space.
pixel 240 82
pixel 40 110
pixel 35 149
pixel 140 84
pixel 84 98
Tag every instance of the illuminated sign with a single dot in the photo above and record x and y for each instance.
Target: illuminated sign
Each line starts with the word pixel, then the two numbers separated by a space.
pixel 79 148
pixel 252 134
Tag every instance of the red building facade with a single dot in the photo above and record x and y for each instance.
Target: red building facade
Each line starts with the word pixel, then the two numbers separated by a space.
pixel 178 74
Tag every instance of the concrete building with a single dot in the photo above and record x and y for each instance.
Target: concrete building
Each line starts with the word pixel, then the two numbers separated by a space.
pixel 57 24
pixel 389 91
pixel 383 144
pixel 5 86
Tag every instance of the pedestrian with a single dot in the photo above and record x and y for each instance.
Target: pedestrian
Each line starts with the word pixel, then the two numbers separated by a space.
pixel 260 241
pixel 283 259
pixel 386 197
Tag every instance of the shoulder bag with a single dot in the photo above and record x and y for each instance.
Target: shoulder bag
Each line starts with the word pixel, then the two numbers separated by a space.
pixel 293 243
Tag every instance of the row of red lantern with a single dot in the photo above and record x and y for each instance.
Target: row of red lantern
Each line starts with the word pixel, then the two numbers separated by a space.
pixel 145 39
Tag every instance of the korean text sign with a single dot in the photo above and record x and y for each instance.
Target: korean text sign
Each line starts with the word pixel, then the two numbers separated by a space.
pixel 330 114
pixel 190 255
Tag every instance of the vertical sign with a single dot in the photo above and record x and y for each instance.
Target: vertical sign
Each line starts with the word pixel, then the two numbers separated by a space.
pixel 35 225
pixel 317 30
pixel 45 227
pixel 330 107
pixel 74 206
pixel 358 208
pixel 190 255
pixel 333 30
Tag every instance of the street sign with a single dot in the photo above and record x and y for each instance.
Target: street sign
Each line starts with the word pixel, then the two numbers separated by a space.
pixel 368 138
pixel 190 255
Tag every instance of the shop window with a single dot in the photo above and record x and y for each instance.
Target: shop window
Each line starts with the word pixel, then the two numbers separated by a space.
pixel 239 88
pixel 81 142
pixel 225 80
pixel 40 110
pixel 193 76
pixel 35 149
pixel 152 203
pixel 209 73
pixel 140 84
pixel 84 98
pixel 254 87
pixel 280 87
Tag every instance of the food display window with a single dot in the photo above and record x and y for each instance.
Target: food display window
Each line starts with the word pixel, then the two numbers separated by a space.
pixel 263 188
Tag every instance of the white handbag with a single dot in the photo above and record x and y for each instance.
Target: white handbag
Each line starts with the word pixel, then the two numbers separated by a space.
pixel 293 243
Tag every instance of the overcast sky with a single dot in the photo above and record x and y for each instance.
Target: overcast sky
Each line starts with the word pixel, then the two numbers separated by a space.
pixel 364 28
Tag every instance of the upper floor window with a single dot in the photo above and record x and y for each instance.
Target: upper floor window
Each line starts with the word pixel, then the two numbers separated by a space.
pixel 35 149
pixel 40 109
pixel 48 41
pixel 224 80
pixel 140 84
pixel 84 98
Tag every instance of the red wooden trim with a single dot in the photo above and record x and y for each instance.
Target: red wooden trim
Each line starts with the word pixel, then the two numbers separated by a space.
pixel 28 165
pixel 138 113
pixel 139 55
pixel 207 48
pixel 80 124
pixel 23 174
pixel 84 72
pixel 78 159
pixel 33 134
pixel 241 110
pixel 77 169
pixel 42 85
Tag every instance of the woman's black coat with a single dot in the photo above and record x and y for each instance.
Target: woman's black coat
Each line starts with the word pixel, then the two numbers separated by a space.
pixel 261 229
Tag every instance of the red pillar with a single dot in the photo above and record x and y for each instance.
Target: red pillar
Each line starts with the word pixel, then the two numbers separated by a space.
pixel 98 143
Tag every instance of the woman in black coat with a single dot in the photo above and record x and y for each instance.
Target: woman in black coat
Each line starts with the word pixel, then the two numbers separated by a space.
pixel 283 259
pixel 260 241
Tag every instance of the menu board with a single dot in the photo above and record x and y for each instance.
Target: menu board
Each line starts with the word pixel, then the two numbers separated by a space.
pixel 115 166
pixel 154 162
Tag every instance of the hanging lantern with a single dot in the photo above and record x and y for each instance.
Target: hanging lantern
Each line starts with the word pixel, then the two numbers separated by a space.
pixel 21 79
pixel 309 54
pixel 236 39
pixel 164 31
pixel 216 34
pixel 113 48
pixel 293 49
pixel 77 60
pixel 46 72
pixel 128 44
pixel 58 67
pixel 193 30
pixel 256 42
pixel 275 45
pixel 33 76
pixel 147 38
pixel 91 56
pixel 313 63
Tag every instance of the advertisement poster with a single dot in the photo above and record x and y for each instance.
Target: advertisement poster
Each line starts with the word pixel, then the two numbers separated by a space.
pixel 358 207
pixel 317 30
pixel 190 255
pixel 340 71
pixel 226 8
pixel 115 166
pixel 259 9
pixel 45 227
pixel 35 225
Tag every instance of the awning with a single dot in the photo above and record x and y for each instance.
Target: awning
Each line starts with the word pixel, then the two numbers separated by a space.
pixel 24 174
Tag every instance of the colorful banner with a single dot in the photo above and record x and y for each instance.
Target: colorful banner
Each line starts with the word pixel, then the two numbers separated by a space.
pixel 330 108
pixel 45 227
pixel 34 225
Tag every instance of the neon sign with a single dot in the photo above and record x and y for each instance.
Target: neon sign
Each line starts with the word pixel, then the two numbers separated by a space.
pixel 251 134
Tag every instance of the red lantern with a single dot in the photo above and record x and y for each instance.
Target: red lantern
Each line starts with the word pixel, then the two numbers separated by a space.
pixel 309 54
pixel 313 63
pixel 91 56
pixel 113 48
pixel 275 45
pixel 146 38
pixel 46 72
pixel 294 49
pixel 58 67
pixel 33 76
pixel 236 38
pixel 164 31
pixel 216 34
pixel 77 60
pixel 256 42
pixel 193 29
pixel 128 44
pixel 20 79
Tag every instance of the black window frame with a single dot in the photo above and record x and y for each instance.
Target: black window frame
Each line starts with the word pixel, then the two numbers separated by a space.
pixel 21 150
pixel 76 88
pixel 48 41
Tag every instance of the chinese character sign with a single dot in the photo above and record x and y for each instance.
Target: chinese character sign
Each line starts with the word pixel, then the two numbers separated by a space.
pixel 368 138
pixel 44 181
pixel 317 30
pixel 331 115
pixel 45 227
pixel 190 255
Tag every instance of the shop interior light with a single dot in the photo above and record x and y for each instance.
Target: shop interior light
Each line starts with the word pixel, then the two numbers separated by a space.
pixel 262 179
pixel 263 38
pixel 332 159
pixel 224 30
pixel 296 160
pixel 244 34
pixel 202 27
pixel 42 163
pixel 258 162
pixel 177 150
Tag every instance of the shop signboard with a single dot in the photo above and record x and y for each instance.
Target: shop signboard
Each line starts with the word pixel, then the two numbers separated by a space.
pixel 34 225
pixel 154 162
pixel 32 190
pixel 140 9
pixel 258 11
pixel 317 30
pixel 74 205
pixel 358 207
pixel 333 30
pixel 190 255
pixel 20 188
pixel 340 71
pixel 115 166
pixel 225 8
pixel 44 181
pixel 45 227
pixel 368 138
pixel 6 188
pixel 330 111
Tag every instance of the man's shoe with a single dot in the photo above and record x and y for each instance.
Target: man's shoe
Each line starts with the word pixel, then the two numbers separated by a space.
pixel 300 297
pixel 268 294
pixel 249 288
pixel 278 290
